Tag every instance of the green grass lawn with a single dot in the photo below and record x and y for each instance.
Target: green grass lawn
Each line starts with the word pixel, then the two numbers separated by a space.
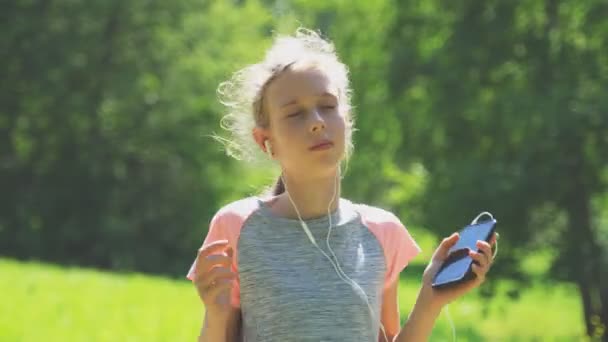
pixel 50 303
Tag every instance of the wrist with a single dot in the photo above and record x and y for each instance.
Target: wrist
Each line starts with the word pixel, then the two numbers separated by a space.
pixel 428 301
pixel 214 326
pixel 216 315
pixel 422 318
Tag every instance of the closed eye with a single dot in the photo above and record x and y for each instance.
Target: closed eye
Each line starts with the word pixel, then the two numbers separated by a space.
pixel 294 114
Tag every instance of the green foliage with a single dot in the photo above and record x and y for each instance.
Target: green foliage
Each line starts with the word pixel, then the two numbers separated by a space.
pixel 106 114
pixel 506 111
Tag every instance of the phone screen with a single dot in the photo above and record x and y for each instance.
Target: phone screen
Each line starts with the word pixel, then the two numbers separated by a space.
pixel 455 268
pixel 459 262
pixel 471 234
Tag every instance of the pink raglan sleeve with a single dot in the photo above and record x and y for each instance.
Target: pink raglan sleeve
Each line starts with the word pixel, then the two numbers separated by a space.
pixel 397 243
pixel 223 227
pixel 399 249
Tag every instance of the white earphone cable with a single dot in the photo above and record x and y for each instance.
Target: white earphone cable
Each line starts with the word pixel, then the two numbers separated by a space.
pixel 352 282
pixel 447 310
pixel 341 274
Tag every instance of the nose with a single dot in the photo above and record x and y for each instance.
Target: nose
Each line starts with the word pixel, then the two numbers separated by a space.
pixel 317 121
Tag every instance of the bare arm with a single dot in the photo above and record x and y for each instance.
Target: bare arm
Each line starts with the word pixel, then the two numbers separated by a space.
pixel 390 313
pixel 430 301
pixel 221 327
pixel 214 281
pixel 420 323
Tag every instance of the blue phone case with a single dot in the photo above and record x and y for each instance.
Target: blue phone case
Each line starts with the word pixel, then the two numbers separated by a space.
pixel 457 267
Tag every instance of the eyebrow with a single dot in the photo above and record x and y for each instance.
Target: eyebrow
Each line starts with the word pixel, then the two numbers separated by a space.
pixel 292 102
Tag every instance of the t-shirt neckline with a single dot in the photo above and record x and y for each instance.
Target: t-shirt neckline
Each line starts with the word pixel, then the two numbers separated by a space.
pixel 335 215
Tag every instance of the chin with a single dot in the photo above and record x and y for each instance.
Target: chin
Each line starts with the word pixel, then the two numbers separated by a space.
pixel 326 165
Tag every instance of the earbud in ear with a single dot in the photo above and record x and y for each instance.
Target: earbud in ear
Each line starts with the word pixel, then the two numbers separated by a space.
pixel 267 145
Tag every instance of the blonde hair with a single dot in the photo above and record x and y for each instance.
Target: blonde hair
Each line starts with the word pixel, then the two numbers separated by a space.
pixel 243 94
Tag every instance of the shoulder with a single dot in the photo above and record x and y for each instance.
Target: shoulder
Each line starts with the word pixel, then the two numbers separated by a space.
pixel 228 221
pixel 377 216
pixel 387 228
pixel 232 215
pixel 239 208
pixel 398 245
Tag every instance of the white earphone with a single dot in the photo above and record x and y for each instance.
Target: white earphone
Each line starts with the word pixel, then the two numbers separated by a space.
pixel 341 274
pixel 268 149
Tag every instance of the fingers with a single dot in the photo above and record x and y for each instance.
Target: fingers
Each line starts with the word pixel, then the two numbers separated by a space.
pixel 217 254
pixel 494 239
pixel 215 275
pixel 213 282
pixel 479 258
pixel 214 260
pixel 479 272
pixel 486 249
pixel 441 253
pixel 484 246
pixel 483 259
pixel 215 246
pixel 216 290
pixel 206 259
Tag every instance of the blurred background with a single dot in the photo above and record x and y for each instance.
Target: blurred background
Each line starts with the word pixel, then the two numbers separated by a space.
pixel 109 177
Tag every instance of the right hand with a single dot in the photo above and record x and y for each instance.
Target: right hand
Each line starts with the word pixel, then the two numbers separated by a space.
pixel 483 261
pixel 213 277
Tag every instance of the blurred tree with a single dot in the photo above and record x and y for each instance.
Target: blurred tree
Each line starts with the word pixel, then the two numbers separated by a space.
pixel 505 105
pixel 105 108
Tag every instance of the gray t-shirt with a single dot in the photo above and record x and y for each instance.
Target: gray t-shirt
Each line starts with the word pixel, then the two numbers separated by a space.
pixel 289 291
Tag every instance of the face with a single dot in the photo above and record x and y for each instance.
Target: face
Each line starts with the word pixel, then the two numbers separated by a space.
pixel 307 126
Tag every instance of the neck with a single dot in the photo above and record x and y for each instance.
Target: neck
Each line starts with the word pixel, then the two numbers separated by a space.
pixel 312 196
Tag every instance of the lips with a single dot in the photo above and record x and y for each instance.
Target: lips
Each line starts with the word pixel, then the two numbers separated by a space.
pixel 321 145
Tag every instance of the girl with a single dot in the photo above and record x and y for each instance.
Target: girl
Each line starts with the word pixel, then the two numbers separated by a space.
pixel 302 263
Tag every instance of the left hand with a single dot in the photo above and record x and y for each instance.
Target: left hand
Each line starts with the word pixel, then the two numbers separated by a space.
pixel 483 261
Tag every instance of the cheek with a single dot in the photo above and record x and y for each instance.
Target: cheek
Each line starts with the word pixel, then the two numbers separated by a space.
pixel 340 128
pixel 286 136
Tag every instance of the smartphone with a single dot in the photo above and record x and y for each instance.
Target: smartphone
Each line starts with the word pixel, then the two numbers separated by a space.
pixel 457 267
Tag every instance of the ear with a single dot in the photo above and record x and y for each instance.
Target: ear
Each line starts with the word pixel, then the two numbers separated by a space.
pixel 261 135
